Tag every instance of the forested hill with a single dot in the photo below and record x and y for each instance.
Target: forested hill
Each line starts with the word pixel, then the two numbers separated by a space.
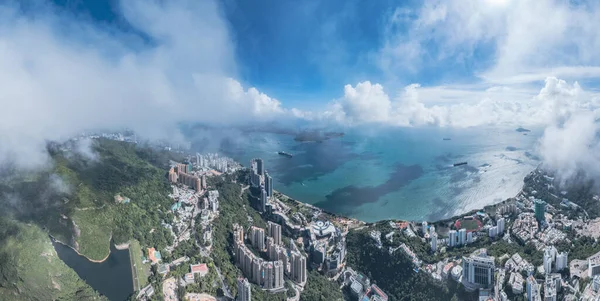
pixel 74 201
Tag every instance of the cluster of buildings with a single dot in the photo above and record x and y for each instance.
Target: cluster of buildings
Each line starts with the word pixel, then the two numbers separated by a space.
pixel 268 274
pixel 328 247
pixel 460 237
pixel 525 227
pixel 216 162
pixel 262 182
pixel 181 173
pixel 360 286
pixel 554 261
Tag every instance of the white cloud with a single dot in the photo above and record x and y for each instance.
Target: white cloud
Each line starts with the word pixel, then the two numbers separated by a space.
pixel 518 41
pixel 497 105
pixel 61 76
pixel 365 103
pixel 573 147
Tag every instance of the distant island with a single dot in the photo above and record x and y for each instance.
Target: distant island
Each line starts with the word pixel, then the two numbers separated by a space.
pixel 522 130
pixel 316 136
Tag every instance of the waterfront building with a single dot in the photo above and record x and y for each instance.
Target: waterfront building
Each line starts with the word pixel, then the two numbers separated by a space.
pixel 462 237
pixel 424 227
pixel 478 271
pixel 254 179
pixel 244 290
pixel 452 238
pixel 260 168
pixel 268 184
pixel 431 230
pixel 263 200
pixel 275 232
pixel 540 209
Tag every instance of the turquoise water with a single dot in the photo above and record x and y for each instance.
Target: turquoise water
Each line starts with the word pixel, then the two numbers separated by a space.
pixel 402 173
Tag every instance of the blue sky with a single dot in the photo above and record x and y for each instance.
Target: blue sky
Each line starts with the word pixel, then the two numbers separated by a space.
pixel 152 65
pixel 305 52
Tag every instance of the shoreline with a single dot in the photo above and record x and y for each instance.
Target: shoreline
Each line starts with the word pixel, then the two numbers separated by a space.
pixel 456 215
pixel 119 247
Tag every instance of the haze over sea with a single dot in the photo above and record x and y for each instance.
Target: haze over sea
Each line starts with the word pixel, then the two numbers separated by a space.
pixel 404 173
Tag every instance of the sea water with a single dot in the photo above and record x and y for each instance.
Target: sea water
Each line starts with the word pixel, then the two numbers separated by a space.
pixel 406 173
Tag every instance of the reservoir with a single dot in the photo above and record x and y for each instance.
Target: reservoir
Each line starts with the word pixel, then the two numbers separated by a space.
pixel 111 278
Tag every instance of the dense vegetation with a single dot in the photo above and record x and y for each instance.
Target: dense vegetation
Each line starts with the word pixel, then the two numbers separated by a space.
pixel 578 190
pixel 31 270
pixel 394 273
pixel 319 288
pixel 74 201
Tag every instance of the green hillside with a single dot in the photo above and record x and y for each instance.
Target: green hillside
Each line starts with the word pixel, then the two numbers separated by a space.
pixel 31 270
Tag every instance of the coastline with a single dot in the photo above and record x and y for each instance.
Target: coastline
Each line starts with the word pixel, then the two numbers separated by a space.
pixel 456 215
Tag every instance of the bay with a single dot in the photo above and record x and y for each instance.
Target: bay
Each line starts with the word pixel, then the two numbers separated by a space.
pixel 404 173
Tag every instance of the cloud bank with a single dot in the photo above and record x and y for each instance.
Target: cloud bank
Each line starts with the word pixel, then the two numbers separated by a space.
pixel 418 106
pixel 61 75
pixel 504 42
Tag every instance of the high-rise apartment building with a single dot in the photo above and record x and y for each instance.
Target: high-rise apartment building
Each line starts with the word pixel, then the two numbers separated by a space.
pixel 257 237
pixel 298 267
pixel 540 209
pixel 244 290
pixel 452 237
pixel 275 232
pixel 500 224
pixel 268 184
pixel 462 237
pixel 263 200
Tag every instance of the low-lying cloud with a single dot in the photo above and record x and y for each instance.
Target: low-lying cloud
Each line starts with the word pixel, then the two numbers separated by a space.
pixel 62 75
pixel 368 103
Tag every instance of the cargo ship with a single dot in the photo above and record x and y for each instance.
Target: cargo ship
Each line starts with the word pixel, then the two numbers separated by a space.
pixel 459 164
pixel 447 139
pixel 285 154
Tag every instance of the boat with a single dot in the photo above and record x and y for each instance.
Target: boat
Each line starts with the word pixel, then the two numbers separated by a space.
pixel 459 164
pixel 285 154
pixel 446 139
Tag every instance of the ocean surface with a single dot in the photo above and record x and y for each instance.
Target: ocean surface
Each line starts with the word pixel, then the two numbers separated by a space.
pixel 403 173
